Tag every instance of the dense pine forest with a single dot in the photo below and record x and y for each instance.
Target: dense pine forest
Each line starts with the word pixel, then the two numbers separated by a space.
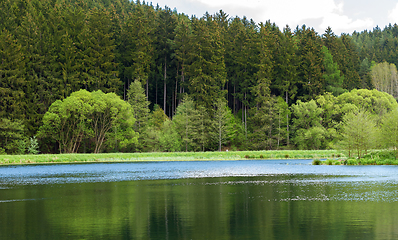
pixel 115 75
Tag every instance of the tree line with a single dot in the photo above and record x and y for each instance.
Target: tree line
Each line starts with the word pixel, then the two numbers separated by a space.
pixel 249 76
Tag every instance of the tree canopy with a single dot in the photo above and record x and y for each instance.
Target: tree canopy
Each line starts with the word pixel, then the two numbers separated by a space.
pixel 185 66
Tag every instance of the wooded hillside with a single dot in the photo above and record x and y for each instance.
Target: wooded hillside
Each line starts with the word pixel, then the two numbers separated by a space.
pixel 52 48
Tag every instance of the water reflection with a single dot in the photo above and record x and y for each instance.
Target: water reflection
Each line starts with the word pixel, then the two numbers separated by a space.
pixel 198 200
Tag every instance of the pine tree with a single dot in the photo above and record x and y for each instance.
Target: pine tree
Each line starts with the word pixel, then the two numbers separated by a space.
pixel 137 99
pixel 100 66
pixel 286 66
pixel 206 68
pixel 223 123
pixel 184 119
pixel 310 63
pixel 181 48
pixel 352 64
pixel 36 36
pixel 12 80
pixel 333 79
pixel 166 23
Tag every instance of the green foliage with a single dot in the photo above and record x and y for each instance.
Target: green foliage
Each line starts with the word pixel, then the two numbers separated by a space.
pixel 149 55
pixel 316 162
pixel 169 139
pixel 67 121
pixel 11 133
pixel 33 147
pixel 100 70
pixel 85 115
pixel 11 74
pixel 310 63
pixel 140 105
pixel 268 124
pixel 389 131
pixel 22 146
pixel 224 126
pixel 333 79
pixel 384 77
pixel 358 133
pixel 372 101
pixel 314 126
pixel 158 118
pixel 206 68
pixel 184 120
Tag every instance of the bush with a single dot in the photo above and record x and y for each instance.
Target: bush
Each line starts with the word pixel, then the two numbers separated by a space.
pixel 316 162
pixel 352 162
pixel 22 146
pixel 33 148
pixel 329 162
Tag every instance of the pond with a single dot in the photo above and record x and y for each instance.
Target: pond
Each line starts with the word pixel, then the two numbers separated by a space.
pixel 281 199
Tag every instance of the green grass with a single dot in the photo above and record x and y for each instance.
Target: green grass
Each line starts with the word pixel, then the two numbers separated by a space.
pixel 159 156
pixel 375 157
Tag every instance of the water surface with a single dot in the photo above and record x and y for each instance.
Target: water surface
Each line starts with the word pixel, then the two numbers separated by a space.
pixel 199 200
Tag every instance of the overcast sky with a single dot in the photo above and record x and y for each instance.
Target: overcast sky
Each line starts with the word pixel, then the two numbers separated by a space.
pixel 342 16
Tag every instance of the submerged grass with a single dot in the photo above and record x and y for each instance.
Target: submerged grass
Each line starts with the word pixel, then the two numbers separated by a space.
pixel 167 156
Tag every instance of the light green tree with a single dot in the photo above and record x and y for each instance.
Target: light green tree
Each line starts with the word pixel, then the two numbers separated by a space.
pixel 384 77
pixel 139 103
pixel 389 131
pixel 223 123
pixel 33 147
pixel 66 121
pixel 358 133
pixel 169 139
pixel 309 132
pixel 184 117
pixel 372 101
pixel 109 112
pixel 333 78
pixel 85 115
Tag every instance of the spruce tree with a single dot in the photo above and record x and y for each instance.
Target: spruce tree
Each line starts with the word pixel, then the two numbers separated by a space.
pixel 100 66
pixel 333 79
pixel 12 81
pixel 206 68
pixel 310 63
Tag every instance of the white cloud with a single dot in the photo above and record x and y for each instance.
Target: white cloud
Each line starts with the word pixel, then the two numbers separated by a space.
pixel 342 23
pixel 314 13
pixel 393 15
pixel 295 13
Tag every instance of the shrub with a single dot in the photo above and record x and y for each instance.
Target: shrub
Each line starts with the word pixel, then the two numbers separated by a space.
pixel 352 162
pixel 329 162
pixel 33 148
pixel 316 162
pixel 22 146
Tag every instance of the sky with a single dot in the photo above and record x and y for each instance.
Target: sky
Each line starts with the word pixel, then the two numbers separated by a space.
pixel 343 16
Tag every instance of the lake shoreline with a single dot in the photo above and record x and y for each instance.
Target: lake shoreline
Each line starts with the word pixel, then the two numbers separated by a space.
pixel 168 156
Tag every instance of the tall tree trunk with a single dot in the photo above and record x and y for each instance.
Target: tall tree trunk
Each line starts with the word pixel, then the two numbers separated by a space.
pixel 287 120
pixel 164 86
pixel 147 86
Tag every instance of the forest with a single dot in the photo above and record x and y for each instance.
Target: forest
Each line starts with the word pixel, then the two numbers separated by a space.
pixel 121 76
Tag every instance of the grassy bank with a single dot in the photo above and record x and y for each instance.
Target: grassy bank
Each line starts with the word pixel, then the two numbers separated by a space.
pixel 178 156
pixel 376 157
